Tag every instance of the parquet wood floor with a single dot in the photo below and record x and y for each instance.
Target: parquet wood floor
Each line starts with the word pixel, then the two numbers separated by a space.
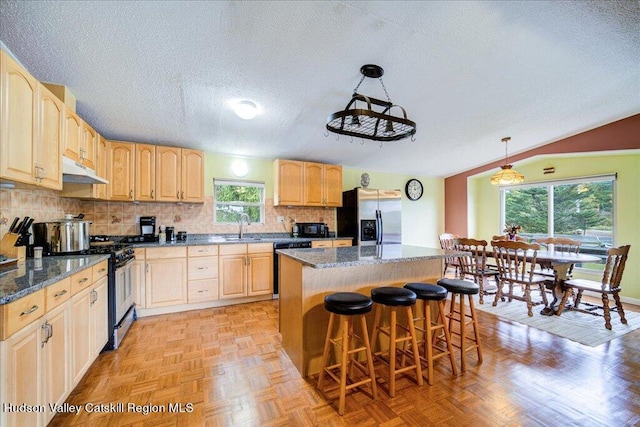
pixel 228 364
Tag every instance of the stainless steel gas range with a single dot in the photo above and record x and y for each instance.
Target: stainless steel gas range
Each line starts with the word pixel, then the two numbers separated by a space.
pixel 122 309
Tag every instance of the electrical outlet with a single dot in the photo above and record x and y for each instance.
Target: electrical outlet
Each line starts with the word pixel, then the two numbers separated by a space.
pixel 280 219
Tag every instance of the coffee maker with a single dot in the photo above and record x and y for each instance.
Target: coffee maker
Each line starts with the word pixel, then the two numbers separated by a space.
pixel 148 228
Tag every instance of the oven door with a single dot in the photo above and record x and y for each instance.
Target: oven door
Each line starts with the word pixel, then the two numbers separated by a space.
pixel 124 289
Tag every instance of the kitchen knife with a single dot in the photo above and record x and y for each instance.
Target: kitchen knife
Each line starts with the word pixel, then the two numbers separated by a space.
pixel 18 227
pixel 13 224
pixel 23 227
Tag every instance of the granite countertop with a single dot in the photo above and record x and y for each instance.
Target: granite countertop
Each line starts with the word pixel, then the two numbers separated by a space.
pixel 24 279
pixel 364 255
pixel 216 239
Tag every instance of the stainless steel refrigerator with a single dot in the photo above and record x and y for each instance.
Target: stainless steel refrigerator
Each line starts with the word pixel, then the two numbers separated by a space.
pixel 370 216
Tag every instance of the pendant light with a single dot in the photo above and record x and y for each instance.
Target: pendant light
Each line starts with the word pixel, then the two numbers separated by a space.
pixel 506 175
pixel 362 121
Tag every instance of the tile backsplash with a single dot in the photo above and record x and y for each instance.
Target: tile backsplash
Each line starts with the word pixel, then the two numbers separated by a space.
pixel 120 218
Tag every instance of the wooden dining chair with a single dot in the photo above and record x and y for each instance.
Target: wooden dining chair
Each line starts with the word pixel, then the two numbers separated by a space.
pixel 557 244
pixel 516 263
pixel 447 241
pixel 474 264
pixel 610 285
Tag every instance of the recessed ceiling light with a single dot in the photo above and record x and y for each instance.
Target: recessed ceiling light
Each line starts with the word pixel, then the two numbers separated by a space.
pixel 246 110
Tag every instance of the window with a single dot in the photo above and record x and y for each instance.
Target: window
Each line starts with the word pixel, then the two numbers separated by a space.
pixel 580 209
pixel 233 198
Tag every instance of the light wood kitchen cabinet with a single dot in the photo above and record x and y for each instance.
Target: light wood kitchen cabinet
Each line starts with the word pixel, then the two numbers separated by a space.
pixel 121 171
pixel 93 191
pixel 145 172
pixel 18 121
pixel 88 145
pixel 202 273
pixel 288 182
pixel 179 175
pixel 245 270
pixel 166 276
pixel 72 135
pixel 307 184
pixel 48 158
pixel 56 357
pixel 99 316
pixel 138 273
pixel 322 185
pixel 330 243
pixel 342 242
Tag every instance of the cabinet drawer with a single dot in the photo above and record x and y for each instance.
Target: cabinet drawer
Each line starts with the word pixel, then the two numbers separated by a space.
pixel 233 249
pixel 57 293
pixel 19 313
pixel 202 290
pixel 208 250
pixel 257 248
pixel 100 270
pixel 202 268
pixel 337 243
pixel 321 244
pixel 166 253
pixel 81 280
pixel 140 253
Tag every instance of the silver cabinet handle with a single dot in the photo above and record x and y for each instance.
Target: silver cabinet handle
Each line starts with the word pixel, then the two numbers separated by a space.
pixel 131 194
pixel 204 290
pixel 182 195
pixel 31 310
pixel 152 194
pixel 84 279
pixel 59 294
pixel 177 194
pixel 203 268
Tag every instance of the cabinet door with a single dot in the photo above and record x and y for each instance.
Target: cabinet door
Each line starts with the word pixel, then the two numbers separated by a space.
pixel 72 135
pixel 100 191
pixel 48 159
pixel 168 173
pixel 332 185
pixel 18 120
pixel 260 279
pixel 289 182
pixel 81 335
pixel 138 279
pixel 192 176
pixel 145 172
pixel 23 360
pixel 166 282
pixel 88 146
pixel 99 316
pixel 121 171
pixel 313 184
pixel 232 275
pixel 56 358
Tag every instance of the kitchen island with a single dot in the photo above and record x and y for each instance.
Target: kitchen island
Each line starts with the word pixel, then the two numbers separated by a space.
pixel 308 275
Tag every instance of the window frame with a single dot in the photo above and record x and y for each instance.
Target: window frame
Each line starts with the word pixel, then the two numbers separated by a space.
pixel 244 183
pixel 550 186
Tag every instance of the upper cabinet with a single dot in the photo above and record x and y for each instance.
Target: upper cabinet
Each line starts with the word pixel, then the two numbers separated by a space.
pixel 307 184
pixel 179 175
pixel 121 170
pixel 79 140
pixel 145 171
pixel 30 120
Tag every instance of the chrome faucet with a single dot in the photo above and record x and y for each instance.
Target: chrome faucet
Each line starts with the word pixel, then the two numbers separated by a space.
pixel 243 217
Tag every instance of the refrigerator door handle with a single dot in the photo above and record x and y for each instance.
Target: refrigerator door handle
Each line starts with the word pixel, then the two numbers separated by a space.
pixel 379 227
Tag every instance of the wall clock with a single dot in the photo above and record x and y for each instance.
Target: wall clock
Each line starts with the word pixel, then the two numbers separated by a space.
pixel 413 189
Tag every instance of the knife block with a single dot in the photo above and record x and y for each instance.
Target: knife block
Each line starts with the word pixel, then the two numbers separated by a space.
pixel 8 249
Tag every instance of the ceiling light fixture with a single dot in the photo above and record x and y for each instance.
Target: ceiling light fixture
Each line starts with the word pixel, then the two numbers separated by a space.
pixel 246 109
pixel 367 123
pixel 506 175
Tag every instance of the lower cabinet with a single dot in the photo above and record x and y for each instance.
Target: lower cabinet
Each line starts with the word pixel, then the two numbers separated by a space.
pixel 330 243
pixel 202 274
pixel 56 357
pixel 166 277
pixel 138 277
pixel 245 270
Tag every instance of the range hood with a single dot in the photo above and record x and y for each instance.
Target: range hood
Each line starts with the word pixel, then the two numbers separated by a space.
pixel 78 173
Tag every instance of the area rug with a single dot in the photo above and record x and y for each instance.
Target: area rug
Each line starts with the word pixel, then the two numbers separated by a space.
pixel 584 328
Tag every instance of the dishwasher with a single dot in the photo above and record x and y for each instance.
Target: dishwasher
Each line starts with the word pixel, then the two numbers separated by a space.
pixel 284 245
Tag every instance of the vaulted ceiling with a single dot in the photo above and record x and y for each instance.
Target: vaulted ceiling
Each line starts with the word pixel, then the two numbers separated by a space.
pixel 468 73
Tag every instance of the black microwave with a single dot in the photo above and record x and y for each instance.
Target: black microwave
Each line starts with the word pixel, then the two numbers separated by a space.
pixel 312 229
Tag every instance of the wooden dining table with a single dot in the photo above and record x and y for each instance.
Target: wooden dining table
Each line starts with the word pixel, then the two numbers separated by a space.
pixel 560 263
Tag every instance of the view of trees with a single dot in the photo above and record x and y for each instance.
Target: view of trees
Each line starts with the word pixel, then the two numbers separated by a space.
pixel 234 200
pixel 578 209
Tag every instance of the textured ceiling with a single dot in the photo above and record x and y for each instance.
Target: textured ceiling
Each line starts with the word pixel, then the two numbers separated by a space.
pixel 468 73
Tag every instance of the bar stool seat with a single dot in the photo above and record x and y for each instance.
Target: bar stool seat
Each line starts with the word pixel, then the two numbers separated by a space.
pixel 428 292
pixel 460 288
pixel 347 306
pixel 396 298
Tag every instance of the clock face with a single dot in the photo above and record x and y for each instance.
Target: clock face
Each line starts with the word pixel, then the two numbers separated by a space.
pixel 413 189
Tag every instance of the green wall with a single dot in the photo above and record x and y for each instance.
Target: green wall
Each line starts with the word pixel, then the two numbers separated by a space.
pixel 484 202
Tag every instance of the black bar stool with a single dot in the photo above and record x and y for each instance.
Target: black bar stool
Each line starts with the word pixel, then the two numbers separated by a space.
pixel 394 298
pixel 460 288
pixel 348 305
pixel 426 293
